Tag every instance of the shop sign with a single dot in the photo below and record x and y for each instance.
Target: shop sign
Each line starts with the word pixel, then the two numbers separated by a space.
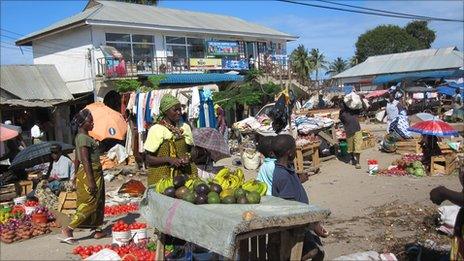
pixel 222 48
pixel 241 64
pixel 205 63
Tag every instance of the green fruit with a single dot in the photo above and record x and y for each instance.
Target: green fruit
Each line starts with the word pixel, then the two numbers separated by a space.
pixel 213 198
pixel 189 196
pixel 228 200
pixel 242 200
pixel 253 197
pixel 239 193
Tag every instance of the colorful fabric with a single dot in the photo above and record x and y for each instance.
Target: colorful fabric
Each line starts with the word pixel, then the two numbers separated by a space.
pixel 400 125
pixel 83 140
pixel 354 142
pixel 148 118
pixel 81 117
pixel 169 147
pixel 266 172
pixel 45 195
pixel 90 208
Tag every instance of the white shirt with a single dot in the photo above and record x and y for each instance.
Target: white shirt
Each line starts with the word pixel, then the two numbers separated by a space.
pixel 36 132
pixel 62 169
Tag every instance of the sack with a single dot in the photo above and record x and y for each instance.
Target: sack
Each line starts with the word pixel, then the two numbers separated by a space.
pixel 250 159
pixel 353 101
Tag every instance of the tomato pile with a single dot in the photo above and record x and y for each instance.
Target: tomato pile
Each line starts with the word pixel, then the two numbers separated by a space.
pixel 395 171
pixel 140 251
pixel 119 210
pixel 137 225
pixel 372 162
pixel 31 203
pixel 120 226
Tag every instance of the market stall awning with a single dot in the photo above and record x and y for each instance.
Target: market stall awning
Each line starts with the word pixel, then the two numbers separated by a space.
pixel 411 76
pixel 199 78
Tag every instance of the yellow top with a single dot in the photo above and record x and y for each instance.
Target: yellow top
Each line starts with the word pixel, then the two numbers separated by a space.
pixel 158 133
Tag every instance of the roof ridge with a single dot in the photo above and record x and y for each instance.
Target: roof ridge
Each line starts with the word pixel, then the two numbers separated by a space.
pixel 98 8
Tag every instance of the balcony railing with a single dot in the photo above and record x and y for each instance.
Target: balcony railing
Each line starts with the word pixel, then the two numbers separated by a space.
pixel 115 68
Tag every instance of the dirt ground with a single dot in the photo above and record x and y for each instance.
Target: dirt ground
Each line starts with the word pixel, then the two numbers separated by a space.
pixel 368 212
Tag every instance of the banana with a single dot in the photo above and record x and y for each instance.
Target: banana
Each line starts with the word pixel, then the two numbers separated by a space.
pixel 163 184
pixel 240 175
pixel 189 183
pixel 219 178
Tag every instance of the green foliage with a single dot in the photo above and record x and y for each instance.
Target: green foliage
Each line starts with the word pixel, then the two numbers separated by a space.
pixel 127 85
pixel 155 80
pixel 253 75
pixel 301 62
pixel 318 60
pixel 420 31
pixel 337 66
pixel 385 39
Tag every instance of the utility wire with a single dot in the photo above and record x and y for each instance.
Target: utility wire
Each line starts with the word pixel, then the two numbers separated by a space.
pixel 46 41
pixel 369 13
pixel 14 47
pixel 389 12
pixel 53 48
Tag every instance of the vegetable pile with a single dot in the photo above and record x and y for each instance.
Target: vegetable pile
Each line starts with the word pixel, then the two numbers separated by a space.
pixel 409 164
pixel 119 210
pixel 141 251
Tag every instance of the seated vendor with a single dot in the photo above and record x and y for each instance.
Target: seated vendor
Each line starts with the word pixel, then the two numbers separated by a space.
pixel 430 148
pixel 60 173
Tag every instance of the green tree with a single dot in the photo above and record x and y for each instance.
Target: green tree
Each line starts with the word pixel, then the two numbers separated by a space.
pixel 318 60
pixel 353 61
pixel 421 31
pixel 337 66
pixel 301 62
pixel 385 39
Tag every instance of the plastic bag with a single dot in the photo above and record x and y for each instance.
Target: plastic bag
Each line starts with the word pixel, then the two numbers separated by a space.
pixel 353 101
pixel 250 159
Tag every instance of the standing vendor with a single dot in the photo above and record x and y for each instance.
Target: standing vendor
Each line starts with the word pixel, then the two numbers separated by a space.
pixel 168 143
pixel 37 134
pixel 458 111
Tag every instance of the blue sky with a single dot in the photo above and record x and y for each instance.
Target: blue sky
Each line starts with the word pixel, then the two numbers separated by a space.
pixel 333 32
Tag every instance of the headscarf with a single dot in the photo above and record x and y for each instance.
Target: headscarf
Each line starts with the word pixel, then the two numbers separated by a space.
pixel 81 117
pixel 167 102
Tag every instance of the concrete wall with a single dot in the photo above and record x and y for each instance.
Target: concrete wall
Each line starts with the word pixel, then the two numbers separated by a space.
pixel 69 52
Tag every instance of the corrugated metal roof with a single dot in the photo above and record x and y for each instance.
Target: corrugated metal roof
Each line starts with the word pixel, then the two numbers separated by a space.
pixel 199 78
pixel 34 82
pixel 422 60
pixel 162 18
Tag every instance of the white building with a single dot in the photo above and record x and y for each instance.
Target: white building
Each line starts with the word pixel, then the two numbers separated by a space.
pixel 149 40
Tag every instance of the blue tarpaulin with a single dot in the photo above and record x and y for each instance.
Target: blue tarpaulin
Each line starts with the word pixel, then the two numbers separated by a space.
pixel 345 89
pixel 199 78
pixel 412 76
pixel 446 90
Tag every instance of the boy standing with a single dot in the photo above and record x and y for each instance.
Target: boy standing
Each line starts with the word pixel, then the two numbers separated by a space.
pixel 354 138
pixel 266 171
pixel 286 184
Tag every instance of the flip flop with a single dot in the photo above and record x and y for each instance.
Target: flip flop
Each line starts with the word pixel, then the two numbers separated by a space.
pixel 68 240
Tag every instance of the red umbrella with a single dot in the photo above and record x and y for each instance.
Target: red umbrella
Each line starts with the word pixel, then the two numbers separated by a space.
pixel 434 128
pixel 7 133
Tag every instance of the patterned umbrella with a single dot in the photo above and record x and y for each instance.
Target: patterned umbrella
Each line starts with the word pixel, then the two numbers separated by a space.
pixel 434 128
pixel 211 140
pixel 37 154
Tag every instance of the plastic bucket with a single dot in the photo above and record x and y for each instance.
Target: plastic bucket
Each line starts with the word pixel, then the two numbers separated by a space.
pixel 121 238
pixel 20 200
pixel 343 148
pixel 139 234
pixel 29 210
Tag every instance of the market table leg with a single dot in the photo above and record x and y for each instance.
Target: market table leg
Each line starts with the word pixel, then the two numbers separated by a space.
pixel 262 247
pixel 243 249
pixel 160 247
pixel 285 245
pixel 298 239
pixel 254 249
pixel 273 246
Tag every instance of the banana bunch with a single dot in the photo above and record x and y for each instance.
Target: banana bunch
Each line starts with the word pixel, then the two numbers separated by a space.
pixel 229 180
pixel 163 184
pixel 192 183
pixel 255 185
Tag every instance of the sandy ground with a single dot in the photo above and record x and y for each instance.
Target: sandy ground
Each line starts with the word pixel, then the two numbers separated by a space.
pixel 354 197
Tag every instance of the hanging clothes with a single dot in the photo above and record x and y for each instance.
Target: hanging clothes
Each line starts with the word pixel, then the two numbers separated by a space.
pixel 140 112
pixel 201 114
pixel 194 108
pixel 129 141
pixel 211 114
pixel 124 102
pixel 148 117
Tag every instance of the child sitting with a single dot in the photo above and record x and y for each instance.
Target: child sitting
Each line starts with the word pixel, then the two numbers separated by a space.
pixel 286 184
pixel 267 168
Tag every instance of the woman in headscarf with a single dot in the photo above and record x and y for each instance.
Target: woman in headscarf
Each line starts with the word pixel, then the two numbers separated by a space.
pixel 168 143
pixel 90 185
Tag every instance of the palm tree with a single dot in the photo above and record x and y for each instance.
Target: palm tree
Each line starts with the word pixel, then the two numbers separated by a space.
pixel 318 59
pixel 301 62
pixel 337 66
pixel 353 61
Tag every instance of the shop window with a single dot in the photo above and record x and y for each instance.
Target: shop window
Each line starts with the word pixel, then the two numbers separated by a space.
pixel 138 38
pixel 175 40
pixel 182 48
pixel 110 37
pixel 124 49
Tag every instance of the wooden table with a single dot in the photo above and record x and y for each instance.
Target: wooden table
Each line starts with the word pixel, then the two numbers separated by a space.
pixel 309 150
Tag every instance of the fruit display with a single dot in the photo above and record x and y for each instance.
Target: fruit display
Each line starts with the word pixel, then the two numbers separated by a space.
pixel 227 187
pixel 416 168
pixel 31 203
pixel 409 164
pixel 393 171
pixel 119 210
pixel 120 226
pixel 140 252
pixel 24 228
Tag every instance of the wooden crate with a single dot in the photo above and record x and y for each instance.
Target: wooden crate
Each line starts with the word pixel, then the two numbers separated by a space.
pixel 67 202
pixel 24 187
pixel 410 146
pixel 444 164
pixel 8 192
pixel 309 150
pixel 369 140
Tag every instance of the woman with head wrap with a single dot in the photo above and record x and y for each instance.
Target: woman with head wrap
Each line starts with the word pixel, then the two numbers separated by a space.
pixel 168 143
pixel 90 185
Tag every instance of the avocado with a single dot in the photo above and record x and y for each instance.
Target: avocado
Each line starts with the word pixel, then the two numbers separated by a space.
pixel 239 193
pixel 180 192
pixel 215 187
pixel 228 200
pixel 201 199
pixel 202 189
pixel 170 192
pixel 253 197
pixel 189 196
pixel 179 181
pixel 213 198
pixel 242 200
